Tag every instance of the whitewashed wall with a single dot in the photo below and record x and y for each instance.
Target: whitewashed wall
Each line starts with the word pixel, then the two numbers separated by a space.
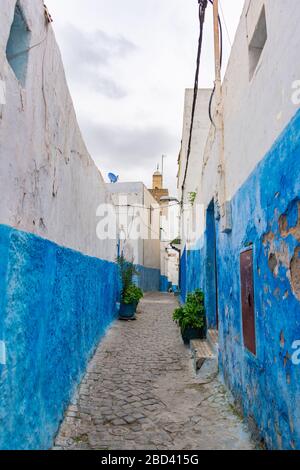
pixel 50 185
pixel 255 111
pixel 152 243
pixel 199 136
pixel 194 174
pixel 140 240
pixel 173 267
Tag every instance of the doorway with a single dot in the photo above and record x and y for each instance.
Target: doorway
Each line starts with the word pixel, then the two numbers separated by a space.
pixel 211 268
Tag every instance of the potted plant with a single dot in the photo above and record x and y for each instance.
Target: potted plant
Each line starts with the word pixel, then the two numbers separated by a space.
pixel 131 294
pixel 130 300
pixel 190 317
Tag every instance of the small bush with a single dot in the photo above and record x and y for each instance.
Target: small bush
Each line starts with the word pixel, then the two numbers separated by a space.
pixel 132 294
pixel 192 314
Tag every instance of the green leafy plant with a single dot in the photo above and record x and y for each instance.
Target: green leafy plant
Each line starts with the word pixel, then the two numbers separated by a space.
pixel 130 292
pixel 127 271
pixel 192 197
pixel 192 314
pixel 133 294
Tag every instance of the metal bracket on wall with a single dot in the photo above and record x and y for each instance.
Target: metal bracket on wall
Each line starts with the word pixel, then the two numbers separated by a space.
pixel 226 218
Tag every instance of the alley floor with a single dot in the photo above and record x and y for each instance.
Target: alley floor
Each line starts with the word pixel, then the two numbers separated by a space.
pixel 140 392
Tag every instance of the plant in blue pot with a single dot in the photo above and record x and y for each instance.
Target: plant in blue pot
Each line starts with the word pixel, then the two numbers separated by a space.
pixel 130 300
pixel 131 294
pixel 190 317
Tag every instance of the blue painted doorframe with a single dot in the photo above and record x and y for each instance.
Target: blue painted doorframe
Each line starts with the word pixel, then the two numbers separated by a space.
pixel 211 268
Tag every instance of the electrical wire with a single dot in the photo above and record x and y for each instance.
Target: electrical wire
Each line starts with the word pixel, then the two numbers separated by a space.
pixel 202 8
pixel 135 216
pixel 147 208
pixel 145 225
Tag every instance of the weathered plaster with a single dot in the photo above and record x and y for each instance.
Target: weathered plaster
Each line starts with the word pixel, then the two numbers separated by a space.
pixel 263 188
pixel 265 214
pixel 50 185
pixel 58 286
pixel 56 304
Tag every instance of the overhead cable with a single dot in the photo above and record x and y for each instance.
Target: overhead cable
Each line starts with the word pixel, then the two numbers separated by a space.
pixel 202 8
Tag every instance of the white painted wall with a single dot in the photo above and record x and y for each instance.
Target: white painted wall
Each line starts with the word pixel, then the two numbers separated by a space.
pixel 152 225
pixel 199 136
pixel 173 267
pixel 194 175
pixel 50 185
pixel 255 111
pixel 140 239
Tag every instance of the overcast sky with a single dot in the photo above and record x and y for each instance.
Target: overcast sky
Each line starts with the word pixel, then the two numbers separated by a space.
pixel 128 64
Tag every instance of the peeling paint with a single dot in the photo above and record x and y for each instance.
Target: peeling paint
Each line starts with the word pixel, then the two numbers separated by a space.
pixel 56 304
pixel 295 273
pixel 265 213
pixel 289 222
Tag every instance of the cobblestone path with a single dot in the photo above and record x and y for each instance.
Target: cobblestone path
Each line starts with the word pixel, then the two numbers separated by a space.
pixel 140 392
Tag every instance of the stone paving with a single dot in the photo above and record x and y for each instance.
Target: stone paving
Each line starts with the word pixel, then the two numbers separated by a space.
pixel 140 392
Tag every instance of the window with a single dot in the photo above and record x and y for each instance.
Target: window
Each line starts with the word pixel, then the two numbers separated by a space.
pixel 247 297
pixel 257 42
pixel 18 45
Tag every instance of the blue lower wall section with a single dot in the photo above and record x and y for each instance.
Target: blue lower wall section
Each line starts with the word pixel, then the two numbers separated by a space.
pixel 164 284
pixel 148 279
pixel 266 215
pixel 184 270
pixel 195 273
pixel 55 304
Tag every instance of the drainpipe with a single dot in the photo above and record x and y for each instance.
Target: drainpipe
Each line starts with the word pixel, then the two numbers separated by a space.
pixel 225 212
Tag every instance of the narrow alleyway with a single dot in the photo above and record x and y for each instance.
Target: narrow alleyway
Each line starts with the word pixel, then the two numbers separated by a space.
pixel 140 392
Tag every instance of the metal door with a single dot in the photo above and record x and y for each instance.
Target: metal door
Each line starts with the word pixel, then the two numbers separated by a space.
pixel 247 293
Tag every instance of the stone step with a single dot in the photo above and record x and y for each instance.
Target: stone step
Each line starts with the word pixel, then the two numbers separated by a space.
pixel 201 352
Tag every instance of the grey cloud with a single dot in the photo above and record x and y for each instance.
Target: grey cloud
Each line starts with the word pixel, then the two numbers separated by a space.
pixel 88 56
pixel 125 148
pixel 107 87
pixel 96 47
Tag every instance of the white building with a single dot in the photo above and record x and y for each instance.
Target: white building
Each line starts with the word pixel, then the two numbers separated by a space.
pixel 138 230
pixel 245 251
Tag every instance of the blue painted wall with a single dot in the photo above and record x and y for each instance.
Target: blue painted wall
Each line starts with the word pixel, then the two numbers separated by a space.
pixel 266 213
pixel 55 305
pixel 148 279
pixel 195 273
pixel 184 269
pixel 164 284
